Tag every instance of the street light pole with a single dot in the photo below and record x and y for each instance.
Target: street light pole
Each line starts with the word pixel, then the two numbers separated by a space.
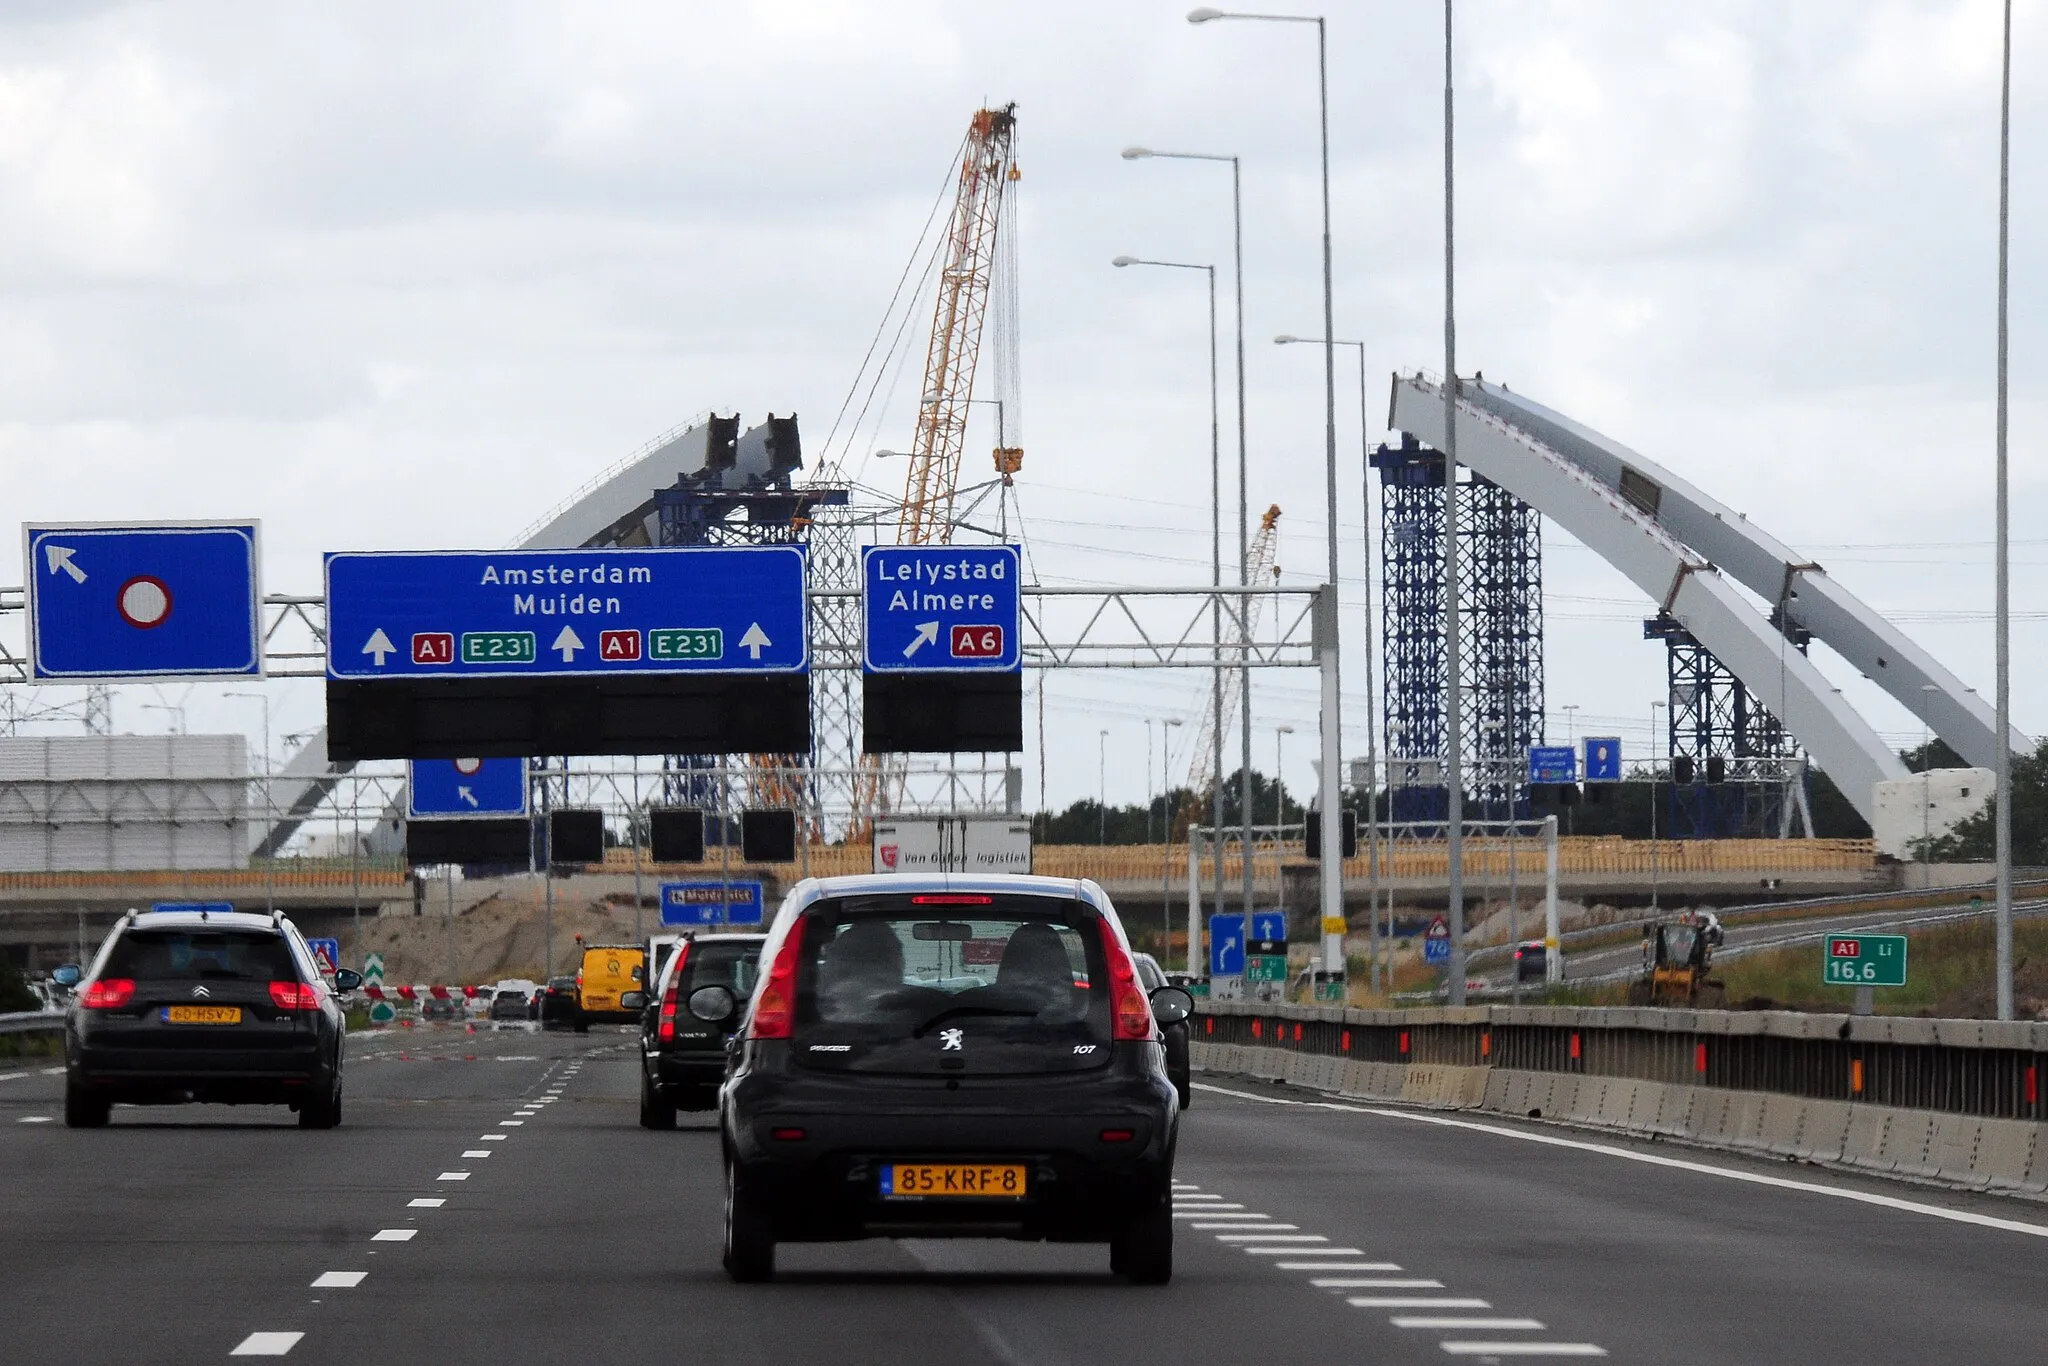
pixel 1102 785
pixel 1332 862
pixel 1243 517
pixel 1372 707
pixel 1454 653
pixel 1655 707
pixel 1215 571
pixel 2002 820
pixel 269 813
pixel 1166 854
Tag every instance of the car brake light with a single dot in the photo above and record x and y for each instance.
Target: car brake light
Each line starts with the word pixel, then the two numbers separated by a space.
pixel 952 899
pixel 668 998
pixel 1118 1135
pixel 108 993
pixel 787 1135
pixel 775 1007
pixel 295 995
pixel 1129 1012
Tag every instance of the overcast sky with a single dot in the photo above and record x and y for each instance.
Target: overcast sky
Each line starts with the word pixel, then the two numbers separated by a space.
pixel 393 274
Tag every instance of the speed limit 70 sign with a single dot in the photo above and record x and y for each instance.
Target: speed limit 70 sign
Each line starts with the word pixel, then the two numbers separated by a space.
pixel 1864 960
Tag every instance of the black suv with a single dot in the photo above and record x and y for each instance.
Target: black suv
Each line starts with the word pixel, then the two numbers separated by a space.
pixel 215 1006
pixel 704 986
pixel 932 1056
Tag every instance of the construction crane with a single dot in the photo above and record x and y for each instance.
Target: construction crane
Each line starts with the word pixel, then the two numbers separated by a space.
pixel 1204 772
pixel 988 170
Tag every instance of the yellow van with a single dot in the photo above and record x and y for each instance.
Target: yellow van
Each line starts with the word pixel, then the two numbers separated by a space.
pixel 609 984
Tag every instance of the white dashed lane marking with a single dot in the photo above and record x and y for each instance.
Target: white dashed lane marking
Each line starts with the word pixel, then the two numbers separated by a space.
pixel 394 1235
pixel 477 1152
pixel 34 1119
pixel 426 1202
pixel 338 1280
pixel 453 1176
pixel 266 1344
pixel 1254 1233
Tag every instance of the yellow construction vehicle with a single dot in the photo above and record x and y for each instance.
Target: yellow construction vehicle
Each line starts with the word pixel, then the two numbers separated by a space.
pixel 1677 956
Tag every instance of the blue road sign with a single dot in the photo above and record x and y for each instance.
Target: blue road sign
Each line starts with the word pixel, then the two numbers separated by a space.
pixel 1436 943
pixel 1269 924
pixel 1553 764
pixel 450 789
pixel 940 609
pixel 551 613
pixel 1603 759
pixel 326 953
pixel 737 902
pixel 210 907
pixel 1226 945
pixel 158 601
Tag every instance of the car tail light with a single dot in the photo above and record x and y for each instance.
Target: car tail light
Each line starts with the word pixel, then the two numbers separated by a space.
pixel 952 899
pixel 775 1007
pixel 295 995
pixel 787 1135
pixel 1130 1014
pixel 668 998
pixel 108 993
pixel 1118 1135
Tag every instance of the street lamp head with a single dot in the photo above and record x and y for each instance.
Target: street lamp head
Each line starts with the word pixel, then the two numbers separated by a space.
pixel 1204 14
pixel 891 455
pixel 1136 153
pixel 1122 261
pixel 1285 339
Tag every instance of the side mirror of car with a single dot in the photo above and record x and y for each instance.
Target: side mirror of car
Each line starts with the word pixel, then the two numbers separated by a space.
pixel 1172 1005
pixel 67 976
pixel 713 1004
pixel 347 979
pixel 633 1000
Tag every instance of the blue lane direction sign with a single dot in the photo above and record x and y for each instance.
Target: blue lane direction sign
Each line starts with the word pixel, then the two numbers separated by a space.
pixel 1269 925
pixel 940 609
pixel 159 601
pixel 737 902
pixel 1226 945
pixel 555 613
pixel 452 789
pixel 1603 759
pixel 1553 764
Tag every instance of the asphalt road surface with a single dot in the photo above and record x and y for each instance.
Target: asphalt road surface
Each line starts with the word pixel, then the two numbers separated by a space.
pixel 490 1198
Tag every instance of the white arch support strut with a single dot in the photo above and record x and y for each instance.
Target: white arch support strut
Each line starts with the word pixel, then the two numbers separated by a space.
pixel 1775 572
pixel 1677 577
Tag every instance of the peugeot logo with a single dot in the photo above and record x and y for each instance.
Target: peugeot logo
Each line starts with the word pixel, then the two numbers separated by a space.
pixel 201 991
pixel 950 1040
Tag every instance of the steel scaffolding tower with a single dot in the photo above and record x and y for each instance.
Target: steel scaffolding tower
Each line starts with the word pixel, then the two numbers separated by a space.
pixel 1503 630
pixel 1747 777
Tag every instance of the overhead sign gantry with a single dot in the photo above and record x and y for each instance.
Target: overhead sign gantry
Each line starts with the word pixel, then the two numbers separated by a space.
pixel 940 649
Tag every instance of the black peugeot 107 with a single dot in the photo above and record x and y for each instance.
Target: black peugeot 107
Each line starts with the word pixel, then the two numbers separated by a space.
pixel 932 1057
pixel 209 1006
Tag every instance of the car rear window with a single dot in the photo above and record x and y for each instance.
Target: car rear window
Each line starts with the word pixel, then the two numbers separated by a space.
pixel 720 963
pixel 940 985
pixel 227 955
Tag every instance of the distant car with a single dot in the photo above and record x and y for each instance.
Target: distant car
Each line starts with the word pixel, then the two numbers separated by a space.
pixel 221 1007
pixel 508 1005
pixel 948 1056
pixel 704 988
pixel 610 984
pixel 558 1003
pixel 1152 977
pixel 437 1008
pixel 1532 961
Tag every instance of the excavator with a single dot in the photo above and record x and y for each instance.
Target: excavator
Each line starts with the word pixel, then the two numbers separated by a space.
pixel 1677 956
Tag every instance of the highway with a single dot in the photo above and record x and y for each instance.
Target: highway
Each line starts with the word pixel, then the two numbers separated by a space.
pixel 490 1197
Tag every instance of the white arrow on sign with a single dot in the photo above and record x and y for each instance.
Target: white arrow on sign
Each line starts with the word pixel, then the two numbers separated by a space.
pixel 379 645
pixel 754 639
pixel 59 557
pixel 927 634
pixel 466 795
pixel 568 643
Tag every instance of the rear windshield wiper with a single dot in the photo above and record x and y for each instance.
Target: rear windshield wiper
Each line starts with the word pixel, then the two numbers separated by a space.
pixel 953 1011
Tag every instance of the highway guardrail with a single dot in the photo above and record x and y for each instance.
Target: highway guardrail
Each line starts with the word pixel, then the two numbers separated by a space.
pixel 31 1022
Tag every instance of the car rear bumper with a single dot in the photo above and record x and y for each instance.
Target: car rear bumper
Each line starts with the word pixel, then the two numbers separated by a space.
pixel 228 1075
pixel 1083 1180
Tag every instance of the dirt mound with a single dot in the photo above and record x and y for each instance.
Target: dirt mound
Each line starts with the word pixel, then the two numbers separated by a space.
pixel 504 935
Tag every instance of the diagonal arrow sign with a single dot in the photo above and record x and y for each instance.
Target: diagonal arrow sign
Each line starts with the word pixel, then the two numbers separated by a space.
pixel 753 641
pixel 466 795
pixel 927 634
pixel 378 646
pixel 568 642
pixel 59 557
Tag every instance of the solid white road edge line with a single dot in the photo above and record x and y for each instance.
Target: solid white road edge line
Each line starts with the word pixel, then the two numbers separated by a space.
pixel 1957 1216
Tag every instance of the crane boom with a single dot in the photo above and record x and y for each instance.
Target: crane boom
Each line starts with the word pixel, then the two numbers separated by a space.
pixel 1206 770
pixel 988 168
